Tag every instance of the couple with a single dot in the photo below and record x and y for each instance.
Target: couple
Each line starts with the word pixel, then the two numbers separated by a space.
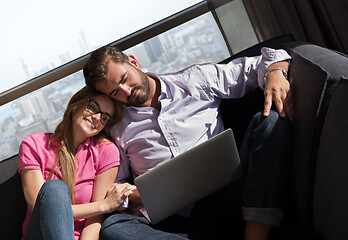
pixel 163 117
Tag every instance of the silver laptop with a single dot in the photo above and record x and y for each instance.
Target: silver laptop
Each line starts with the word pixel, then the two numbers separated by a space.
pixel 189 177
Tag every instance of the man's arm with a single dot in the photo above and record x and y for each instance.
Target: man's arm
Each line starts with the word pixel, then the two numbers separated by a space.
pixel 124 171
pixel 242 75
pixel 277 87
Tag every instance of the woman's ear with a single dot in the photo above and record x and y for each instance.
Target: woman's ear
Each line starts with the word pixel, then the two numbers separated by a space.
pixel 133 61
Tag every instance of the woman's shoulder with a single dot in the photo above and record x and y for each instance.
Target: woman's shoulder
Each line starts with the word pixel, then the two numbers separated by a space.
pixel 35 151
pixel 38 141
pixel 105 152
pixel 38 137
pixel 102 143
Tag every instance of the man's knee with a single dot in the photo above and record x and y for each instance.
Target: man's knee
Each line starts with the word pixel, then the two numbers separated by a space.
pixel 111 227
pixel 273 122
pixel 117 226
pixel 272 118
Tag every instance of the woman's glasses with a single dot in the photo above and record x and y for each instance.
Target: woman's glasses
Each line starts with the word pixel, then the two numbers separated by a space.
pixel 93 107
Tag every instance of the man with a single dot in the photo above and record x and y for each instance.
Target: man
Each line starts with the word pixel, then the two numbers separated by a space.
pixel 167 115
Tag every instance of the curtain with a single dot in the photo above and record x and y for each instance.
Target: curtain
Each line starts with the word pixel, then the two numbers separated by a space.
pixel 321 22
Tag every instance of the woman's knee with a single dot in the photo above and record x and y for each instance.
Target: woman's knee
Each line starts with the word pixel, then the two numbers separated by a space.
pixel 54 185
pixel 54 188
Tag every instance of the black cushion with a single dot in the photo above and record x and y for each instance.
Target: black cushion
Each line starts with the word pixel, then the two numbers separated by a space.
pixel 314 74
pixel 12 201
pixel 330 200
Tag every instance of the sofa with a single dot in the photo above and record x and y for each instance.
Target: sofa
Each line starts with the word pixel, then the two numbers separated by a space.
pixel 318 196
pixel 318 193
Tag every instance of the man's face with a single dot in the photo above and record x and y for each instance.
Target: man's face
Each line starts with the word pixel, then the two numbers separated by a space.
pixel 125 83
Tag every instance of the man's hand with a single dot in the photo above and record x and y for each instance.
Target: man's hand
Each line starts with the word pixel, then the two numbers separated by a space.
pixel 277 90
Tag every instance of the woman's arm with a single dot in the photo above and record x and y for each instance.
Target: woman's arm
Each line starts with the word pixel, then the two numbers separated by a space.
pixel 32 180
pixel 102 183
pixel 107 198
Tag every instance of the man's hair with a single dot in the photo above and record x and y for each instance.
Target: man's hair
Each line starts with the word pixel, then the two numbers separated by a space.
pixel 95 69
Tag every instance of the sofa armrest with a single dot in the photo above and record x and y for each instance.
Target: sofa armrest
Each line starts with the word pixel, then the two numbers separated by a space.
pixel 12 201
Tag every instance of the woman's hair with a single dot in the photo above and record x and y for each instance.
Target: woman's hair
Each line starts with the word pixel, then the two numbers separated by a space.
pixel 63 135
pixel 95 69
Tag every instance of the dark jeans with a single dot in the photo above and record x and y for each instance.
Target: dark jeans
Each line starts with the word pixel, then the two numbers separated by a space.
pixel 124 226
pixel 52 217
pixel 265 155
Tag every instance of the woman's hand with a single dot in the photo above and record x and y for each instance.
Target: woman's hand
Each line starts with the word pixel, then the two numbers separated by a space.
pixel 117 194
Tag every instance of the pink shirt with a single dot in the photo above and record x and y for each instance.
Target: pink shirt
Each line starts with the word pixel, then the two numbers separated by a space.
pixel 93 157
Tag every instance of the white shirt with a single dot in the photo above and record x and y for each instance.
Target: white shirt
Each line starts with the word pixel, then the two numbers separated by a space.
pixel 189 113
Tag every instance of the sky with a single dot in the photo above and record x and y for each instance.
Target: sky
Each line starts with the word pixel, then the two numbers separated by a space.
pixel 39 33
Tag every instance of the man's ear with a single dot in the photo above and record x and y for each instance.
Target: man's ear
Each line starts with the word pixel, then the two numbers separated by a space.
pixel 133 61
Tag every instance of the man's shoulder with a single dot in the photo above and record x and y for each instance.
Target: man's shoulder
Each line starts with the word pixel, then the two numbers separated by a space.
pixel 195 67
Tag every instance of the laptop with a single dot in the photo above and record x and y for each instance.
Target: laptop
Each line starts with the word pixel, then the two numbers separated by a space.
pixel 189 177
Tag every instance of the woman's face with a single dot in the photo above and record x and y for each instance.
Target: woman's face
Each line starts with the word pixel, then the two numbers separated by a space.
pixel 89 120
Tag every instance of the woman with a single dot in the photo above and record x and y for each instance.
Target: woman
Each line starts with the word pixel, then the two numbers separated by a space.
pixel 80 155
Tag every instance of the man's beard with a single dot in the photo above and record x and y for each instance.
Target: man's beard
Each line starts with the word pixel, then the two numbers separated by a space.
pixel 143 91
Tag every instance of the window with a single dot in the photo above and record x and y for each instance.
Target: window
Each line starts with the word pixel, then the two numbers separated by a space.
pixel 195 41
pixel 39 35
pixel 39 111
pixel 237 27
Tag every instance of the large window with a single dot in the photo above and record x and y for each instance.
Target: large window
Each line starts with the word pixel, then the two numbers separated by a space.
pixel 195 41
pixel 40 35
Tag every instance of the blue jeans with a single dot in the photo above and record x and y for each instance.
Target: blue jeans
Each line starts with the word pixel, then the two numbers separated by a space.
pixel 265 155
pixel 124 226
pixel 52 217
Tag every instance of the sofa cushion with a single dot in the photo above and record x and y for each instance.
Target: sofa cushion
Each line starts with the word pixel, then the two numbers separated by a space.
pixel 12 201
pixel 314 75
pixel 330 209
pixel 308 84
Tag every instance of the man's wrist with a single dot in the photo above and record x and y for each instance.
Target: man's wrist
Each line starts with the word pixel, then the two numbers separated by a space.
pixel 285 73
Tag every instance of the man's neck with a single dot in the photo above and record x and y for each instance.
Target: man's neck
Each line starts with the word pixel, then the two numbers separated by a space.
pixel 155 91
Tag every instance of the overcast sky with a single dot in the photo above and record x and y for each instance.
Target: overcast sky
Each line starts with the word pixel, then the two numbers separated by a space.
pixel 36 33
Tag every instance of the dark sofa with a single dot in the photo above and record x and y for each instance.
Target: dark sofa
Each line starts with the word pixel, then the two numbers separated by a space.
pixel 318 195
